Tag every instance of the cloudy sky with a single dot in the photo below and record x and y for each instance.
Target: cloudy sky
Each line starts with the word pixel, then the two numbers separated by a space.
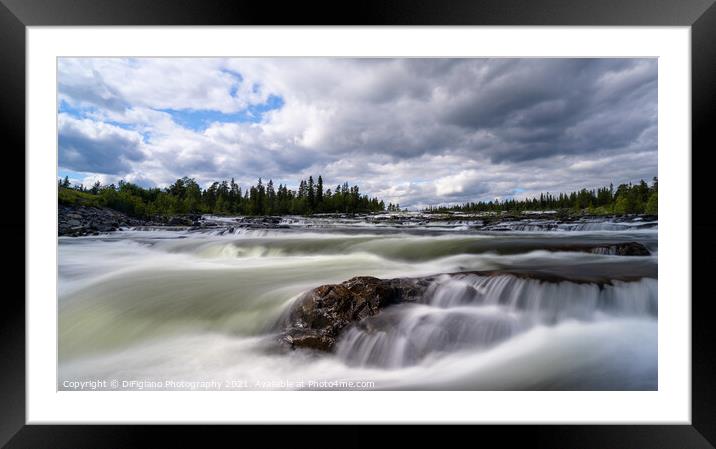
pixel 411 131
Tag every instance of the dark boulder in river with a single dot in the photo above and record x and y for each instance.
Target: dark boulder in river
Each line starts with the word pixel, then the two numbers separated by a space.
pixel 622 249
pixel 184 220
pixel 318 317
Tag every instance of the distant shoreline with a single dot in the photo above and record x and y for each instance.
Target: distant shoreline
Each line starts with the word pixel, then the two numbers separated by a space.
pixel 80 220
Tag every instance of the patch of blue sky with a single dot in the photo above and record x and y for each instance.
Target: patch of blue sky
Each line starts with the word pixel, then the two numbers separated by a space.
pixel 90 112
pixel 233 73
pixel 72 175
pixel 66 108
pixel 199 120
pixel 235 88
pixel 128 126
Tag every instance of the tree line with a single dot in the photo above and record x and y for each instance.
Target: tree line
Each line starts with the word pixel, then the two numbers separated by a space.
pixel 185 196
pixel 639 198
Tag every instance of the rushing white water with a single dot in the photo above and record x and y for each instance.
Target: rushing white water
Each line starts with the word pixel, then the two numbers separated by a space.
pixel 579 225
pixel 477 312
pixel 205 306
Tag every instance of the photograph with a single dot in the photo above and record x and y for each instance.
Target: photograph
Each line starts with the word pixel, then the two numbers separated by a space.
pixel 360 224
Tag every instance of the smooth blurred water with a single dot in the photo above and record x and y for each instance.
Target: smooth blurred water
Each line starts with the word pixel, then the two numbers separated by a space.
pixel 205 305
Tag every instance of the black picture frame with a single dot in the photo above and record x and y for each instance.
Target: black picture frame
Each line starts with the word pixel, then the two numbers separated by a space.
pixel 700 15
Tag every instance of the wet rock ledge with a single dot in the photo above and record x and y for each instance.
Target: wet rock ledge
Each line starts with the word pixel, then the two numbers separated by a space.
pixel 318 317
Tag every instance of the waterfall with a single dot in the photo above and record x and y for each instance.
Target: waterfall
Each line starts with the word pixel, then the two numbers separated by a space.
pixel 478 312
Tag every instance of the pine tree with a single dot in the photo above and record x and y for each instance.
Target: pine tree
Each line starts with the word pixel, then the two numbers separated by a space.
pixel 319 191
pixel 311 193
pixel 270 198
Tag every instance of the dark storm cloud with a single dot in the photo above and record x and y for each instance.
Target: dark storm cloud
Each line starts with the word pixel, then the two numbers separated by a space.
pixel 541 108
pixel 506 110
pixel 86 147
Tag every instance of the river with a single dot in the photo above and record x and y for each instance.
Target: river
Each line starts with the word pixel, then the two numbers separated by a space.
pixel 153 308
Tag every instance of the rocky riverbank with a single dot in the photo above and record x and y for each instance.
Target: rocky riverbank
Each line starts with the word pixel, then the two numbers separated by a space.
pixel 90 220
pixel 84 220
